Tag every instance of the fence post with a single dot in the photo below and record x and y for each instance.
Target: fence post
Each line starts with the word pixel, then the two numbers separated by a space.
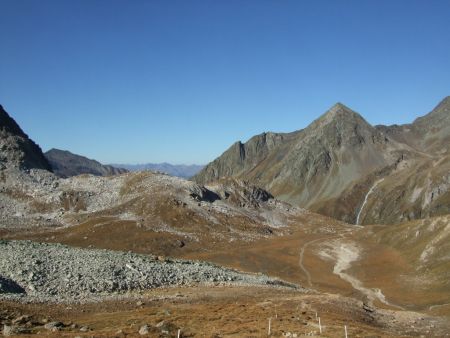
pixel 270 322
pixel 320 327
pixel 345 328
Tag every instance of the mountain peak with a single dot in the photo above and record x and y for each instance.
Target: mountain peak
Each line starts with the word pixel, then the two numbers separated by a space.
pixel 340 113
pixel 340 105
pixel 340 108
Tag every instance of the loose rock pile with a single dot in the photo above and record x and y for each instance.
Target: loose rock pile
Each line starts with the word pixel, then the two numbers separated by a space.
pixel 54 272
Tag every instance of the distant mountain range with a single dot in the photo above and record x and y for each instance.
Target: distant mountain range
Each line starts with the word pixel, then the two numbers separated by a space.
pixel 343 167
pixel 179 170
pixel 66 164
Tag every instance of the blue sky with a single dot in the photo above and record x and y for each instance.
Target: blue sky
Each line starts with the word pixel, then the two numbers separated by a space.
pixel 180 81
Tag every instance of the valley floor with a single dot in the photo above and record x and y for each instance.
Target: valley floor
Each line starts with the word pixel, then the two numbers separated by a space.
pixel 353 280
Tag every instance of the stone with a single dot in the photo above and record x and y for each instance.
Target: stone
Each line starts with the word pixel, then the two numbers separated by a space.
pixel 21 320
pixel 53 325
pixel 144 330
pixel 8 330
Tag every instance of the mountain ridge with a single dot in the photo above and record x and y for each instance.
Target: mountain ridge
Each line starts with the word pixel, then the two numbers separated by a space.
pixel 339 155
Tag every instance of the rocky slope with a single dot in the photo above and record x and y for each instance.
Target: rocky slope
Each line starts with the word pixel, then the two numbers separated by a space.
pixel 66 164
pixel 16 148
pixel 138 210
pixel 331 166
pixel 40 272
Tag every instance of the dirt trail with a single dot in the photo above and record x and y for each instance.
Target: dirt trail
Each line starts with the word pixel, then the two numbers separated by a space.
pixel 432 307
pixel 300 263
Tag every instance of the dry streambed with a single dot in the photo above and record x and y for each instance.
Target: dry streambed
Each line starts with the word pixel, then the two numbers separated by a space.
pixel 344 254
pixel 53 272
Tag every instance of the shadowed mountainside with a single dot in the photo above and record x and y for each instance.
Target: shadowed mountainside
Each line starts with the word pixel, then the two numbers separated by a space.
pixel 66 164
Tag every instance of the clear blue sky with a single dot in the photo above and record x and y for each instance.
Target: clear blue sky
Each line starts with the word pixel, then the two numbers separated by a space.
pixel 180 81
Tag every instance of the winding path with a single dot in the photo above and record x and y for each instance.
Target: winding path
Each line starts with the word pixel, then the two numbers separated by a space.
pixel 300 262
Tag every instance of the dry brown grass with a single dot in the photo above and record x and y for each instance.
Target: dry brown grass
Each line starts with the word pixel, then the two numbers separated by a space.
pixel 225 312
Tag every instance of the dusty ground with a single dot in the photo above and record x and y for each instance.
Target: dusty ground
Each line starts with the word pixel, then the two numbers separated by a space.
pixel 230 312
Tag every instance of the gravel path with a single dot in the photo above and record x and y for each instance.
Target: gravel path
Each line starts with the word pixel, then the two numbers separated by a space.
pixel 54 272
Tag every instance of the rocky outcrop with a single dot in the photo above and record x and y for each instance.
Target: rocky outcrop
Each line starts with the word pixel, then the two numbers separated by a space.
pixel 66 164
pixel 241 193
pixel 16 148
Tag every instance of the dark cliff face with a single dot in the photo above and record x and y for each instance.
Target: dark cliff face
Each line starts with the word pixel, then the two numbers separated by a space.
pixel 16 148
pixel 242 157
pixel 330 166
pixel 66 164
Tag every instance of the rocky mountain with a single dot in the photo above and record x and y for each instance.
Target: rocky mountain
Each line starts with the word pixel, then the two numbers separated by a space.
pixel 66 164
pixel 340 164
pixel 16 148
pixel 178 170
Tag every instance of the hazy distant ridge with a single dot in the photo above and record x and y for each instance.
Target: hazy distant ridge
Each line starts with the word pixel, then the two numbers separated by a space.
pixel 179 170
